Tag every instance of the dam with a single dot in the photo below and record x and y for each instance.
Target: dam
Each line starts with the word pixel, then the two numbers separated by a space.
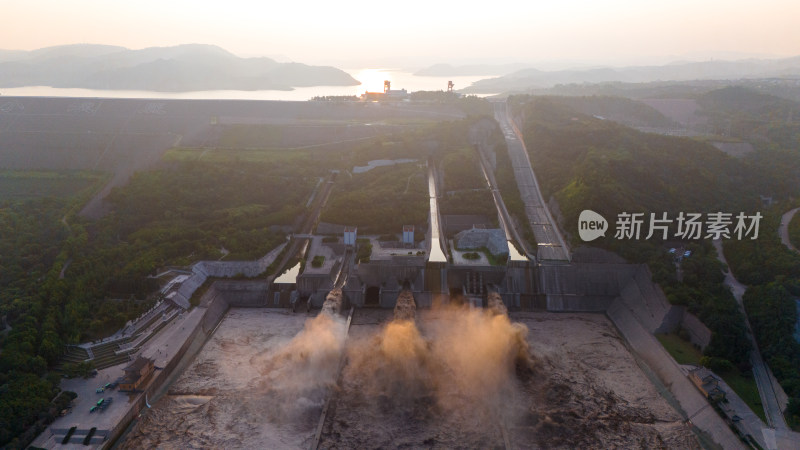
pixel 379 377
pixel 393 350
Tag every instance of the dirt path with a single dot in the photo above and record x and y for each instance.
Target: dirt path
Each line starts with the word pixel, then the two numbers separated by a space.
pixel 64 268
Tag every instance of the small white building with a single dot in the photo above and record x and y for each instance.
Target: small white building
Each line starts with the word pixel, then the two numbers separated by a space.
pixel 408 235
pixel 397 93
pixel 350 235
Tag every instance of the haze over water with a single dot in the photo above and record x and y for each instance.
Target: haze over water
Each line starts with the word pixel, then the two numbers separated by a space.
pixel 371 80
pixel 360 33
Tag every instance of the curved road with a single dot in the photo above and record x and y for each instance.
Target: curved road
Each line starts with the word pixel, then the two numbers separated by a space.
pixel 764 380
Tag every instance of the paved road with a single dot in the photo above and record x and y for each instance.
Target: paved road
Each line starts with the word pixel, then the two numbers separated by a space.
pixel 783 230
pixel 550 243
pixel 764 381
pixel 750 423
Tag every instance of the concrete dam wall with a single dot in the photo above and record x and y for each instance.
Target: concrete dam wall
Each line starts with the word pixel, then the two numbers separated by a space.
pixel 203 270
pixel 652 309
pixel 582 287
pixel 203 319
pixel 692 403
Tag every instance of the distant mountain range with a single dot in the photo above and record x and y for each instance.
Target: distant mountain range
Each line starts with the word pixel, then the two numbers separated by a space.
pixel 192 67
pixel 526 79
pixel 447 70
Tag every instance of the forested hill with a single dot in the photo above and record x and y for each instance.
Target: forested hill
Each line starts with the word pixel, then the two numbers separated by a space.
pixel 531 78
pixel 585 162
pixel 626 111
pixel 770 124
pixel 66 279
pixel 753 116
pixel 588 162
pixel 168 69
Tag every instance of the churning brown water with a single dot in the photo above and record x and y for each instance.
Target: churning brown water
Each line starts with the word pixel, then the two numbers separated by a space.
pixel 405 308
pixel 333 303
pixel 259 382
pixel 442 378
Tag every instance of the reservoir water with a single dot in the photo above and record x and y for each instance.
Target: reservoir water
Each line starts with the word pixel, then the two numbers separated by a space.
pixel 371 80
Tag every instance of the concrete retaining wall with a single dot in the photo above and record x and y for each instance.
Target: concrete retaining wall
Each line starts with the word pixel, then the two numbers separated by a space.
pixel 519 278
pixel 699 334
pixel 202 270
pixel 649 304
pixel 213 308
pixel 639 293
pixel 425 299
pixel 245 294
pixel 582 287
pixel 585 279
pixel 649 351
pixel 227 269
pixel 388 298
pixel 375 273
pixel 457 276
pixel 575 303
pixel 185 292
pixel 216 308
pixel 308 283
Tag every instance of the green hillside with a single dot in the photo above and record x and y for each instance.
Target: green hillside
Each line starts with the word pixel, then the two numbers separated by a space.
pixel 587 162
pixel 590 163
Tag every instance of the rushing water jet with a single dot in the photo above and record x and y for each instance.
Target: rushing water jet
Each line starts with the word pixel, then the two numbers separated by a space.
pixel 405 309
pixel 333 303
pixel 300 374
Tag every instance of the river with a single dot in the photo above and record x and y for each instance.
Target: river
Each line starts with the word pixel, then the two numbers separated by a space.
pixel 371 79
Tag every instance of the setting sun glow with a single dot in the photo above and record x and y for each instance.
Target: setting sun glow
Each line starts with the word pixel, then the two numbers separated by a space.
pixel 372 79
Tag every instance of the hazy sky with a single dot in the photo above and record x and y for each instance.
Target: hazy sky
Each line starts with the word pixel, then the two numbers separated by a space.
pixel 410 32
